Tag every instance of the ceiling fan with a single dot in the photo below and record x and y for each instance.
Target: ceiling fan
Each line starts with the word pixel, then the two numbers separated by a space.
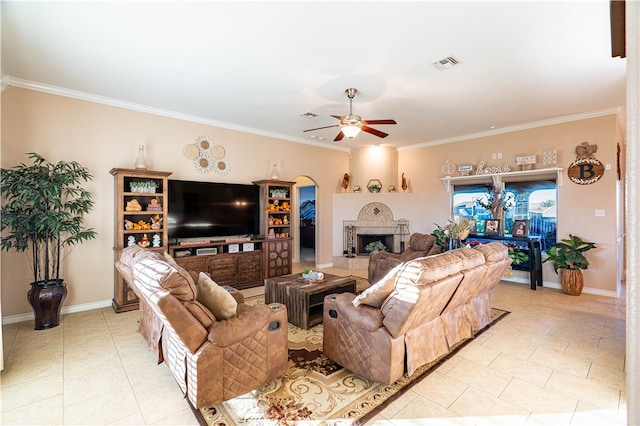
pixel 350 125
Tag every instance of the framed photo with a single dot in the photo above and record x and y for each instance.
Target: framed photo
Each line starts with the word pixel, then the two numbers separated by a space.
pixel 520 228
pixel 492 226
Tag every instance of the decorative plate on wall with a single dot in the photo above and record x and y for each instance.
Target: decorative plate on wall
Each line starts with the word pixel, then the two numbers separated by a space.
pixel 222 166
pixel 217 151
pixel 204 143
pixel 190 151
pixel 203 162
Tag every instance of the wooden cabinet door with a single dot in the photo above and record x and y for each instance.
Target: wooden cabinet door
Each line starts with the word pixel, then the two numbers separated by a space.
pixel 250 267
pixel 223 269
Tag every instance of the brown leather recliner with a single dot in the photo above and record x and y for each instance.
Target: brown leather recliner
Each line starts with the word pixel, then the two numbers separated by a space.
pixel 381 262
pixel 212 359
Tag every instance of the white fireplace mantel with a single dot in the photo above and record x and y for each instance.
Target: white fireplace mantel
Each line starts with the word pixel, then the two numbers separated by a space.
pixel 346 207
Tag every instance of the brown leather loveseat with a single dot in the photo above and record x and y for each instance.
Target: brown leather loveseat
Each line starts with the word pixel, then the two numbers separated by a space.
pixel 415 314
pixel 381 262
pixel 212 359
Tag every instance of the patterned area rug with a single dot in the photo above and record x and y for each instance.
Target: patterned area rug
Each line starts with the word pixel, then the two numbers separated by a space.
pixel 314 390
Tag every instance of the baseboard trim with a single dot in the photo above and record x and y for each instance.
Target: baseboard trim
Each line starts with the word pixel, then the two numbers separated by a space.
pixel 12 319
pixel 558 286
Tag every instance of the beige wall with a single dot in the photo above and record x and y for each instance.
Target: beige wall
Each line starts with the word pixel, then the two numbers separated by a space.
pixel 374 162
pixel 576 203
pixel 102 137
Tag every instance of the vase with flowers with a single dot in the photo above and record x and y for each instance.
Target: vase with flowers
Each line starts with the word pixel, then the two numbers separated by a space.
pixel 451 235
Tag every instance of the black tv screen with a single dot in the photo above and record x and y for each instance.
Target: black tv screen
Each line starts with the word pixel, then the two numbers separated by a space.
pixel 207 210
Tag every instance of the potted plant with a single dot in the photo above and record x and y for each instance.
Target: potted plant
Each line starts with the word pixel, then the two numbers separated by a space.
pixel 375 246
pixel 42 214
pixel 568 256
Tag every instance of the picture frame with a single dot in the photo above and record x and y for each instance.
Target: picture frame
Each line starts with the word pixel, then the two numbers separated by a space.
pixel 520 228
pixel 492 226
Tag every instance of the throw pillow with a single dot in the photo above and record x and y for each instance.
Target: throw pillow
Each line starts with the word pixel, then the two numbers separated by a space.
pixel 170 260
pixel 218 300
pixel 377 293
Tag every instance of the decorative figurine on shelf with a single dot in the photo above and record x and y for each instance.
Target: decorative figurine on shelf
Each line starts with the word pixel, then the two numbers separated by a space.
pixel 154 205
pixel 133 206
pixel 356 188
pixel 404 185
pixel 144 242
pixel 131 240
pixel 345 181
pixel 156 240
pixel 141 225
pixel 128 225
pixel 272 233
pixel 156 222
pixel 285 220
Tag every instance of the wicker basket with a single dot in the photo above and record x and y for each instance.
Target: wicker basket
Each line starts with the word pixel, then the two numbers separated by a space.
pixel 572 281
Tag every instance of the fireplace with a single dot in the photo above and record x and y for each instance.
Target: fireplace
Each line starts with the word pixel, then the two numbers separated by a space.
pixel 364 239
pixel 375 223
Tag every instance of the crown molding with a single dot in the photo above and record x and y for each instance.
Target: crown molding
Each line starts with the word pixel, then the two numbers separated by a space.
pixel 9 81
pixel 519 127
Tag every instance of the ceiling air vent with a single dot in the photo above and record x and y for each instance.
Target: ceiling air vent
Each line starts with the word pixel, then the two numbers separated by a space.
pixel 308 115
pixel 446 63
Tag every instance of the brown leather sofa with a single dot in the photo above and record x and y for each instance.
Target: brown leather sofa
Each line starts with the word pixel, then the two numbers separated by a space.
pixel 381 262
pixel 213 360
pixel 414 314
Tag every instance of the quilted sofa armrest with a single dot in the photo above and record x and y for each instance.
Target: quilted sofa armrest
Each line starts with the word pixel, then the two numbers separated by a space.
pixel 364 317
pixel 248 320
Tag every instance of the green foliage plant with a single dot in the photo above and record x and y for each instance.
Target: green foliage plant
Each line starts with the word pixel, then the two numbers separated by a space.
pixel 375 246
pixel 518 257
pixel 569 254
pixel 43 211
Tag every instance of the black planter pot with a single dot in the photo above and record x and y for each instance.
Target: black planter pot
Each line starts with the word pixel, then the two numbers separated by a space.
pixel 46 300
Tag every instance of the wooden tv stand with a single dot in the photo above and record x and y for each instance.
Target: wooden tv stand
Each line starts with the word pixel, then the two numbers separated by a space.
pixel 229 263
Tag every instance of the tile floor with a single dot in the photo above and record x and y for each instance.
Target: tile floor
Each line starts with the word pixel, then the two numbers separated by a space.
pixel 555 360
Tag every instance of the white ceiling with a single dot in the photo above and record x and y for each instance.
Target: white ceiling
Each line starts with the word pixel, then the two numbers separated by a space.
pixel 258 66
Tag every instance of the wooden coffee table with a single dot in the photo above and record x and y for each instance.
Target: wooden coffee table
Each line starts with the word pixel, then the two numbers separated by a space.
pixel 304 301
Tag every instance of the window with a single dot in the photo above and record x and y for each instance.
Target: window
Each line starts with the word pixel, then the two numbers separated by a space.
pixel 532 200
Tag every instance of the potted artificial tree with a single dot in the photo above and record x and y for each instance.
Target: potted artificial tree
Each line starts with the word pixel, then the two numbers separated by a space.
pixel 568 256
pixel 42 213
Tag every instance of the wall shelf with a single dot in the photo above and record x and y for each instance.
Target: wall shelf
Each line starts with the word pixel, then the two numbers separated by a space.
pixel 498 178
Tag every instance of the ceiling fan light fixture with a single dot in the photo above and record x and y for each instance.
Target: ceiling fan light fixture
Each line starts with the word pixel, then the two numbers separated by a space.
pixel 350 131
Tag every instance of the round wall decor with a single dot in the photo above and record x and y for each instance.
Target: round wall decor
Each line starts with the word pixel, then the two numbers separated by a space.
pixel 207 156
pixel 585 171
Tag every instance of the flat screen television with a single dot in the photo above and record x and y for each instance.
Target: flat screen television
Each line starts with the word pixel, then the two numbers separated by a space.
pixel 212 210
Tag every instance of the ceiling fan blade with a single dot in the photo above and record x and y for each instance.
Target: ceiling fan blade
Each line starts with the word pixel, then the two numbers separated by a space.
pixel 379 121
pixel 339 117
pixel 339 137
pixel 378 133
pixel 318 128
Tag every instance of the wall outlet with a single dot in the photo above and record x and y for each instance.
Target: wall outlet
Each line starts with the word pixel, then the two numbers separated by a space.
pixel 494 156
pixel 499 155
pixel 599 213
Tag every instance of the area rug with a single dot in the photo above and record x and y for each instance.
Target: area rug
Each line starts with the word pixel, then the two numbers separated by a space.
pixel 314 390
